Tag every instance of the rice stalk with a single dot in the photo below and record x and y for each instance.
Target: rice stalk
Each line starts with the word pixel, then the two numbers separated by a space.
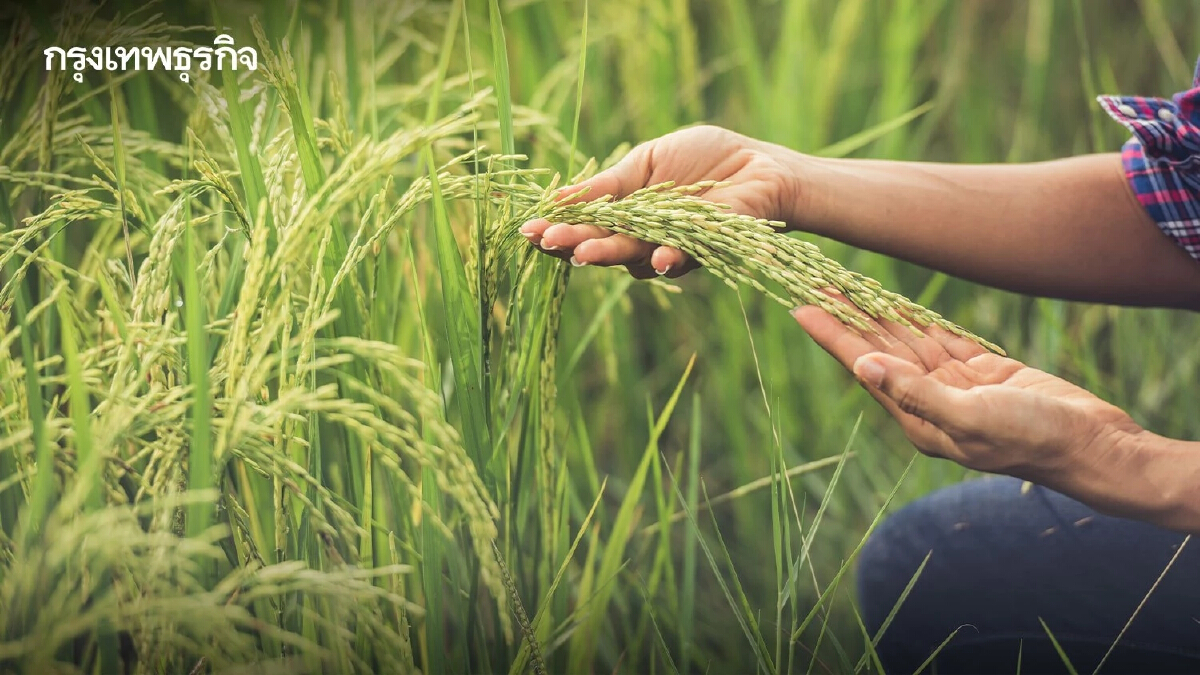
pixel 738 249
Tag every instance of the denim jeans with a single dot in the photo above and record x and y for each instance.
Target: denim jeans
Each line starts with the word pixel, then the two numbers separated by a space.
pixel 1002 559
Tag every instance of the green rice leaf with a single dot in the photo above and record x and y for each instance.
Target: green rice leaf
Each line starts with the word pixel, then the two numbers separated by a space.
pixel 503 86
pixel 200 459
pixel 584 645
pixel 89 465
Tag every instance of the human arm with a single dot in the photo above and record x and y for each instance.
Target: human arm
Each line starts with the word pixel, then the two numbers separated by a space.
pixel 1067 228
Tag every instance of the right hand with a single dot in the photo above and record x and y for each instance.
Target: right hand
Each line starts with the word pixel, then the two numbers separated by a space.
pixel 762 179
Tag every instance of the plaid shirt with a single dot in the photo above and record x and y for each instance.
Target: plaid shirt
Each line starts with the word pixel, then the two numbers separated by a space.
pixel 1162 160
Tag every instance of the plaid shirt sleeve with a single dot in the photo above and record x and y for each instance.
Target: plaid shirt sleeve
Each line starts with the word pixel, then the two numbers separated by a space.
pixel 1162 160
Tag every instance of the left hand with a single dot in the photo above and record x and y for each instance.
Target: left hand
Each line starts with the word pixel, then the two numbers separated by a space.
pixel 957 401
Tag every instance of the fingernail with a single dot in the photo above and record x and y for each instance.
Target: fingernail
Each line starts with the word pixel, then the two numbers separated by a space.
pixel 525 229
pixel 547 247
pixel 575 261
pixel 869 370
pixel 664 270
pixel 529 235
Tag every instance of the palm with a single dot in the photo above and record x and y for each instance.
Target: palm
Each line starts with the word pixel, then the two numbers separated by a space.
pixel 1001 404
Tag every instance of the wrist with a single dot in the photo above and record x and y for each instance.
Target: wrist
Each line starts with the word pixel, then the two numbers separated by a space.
pixel 804 194
pixel 1165 489
pixel 826 196
pixel 796 186
pixel 1136 474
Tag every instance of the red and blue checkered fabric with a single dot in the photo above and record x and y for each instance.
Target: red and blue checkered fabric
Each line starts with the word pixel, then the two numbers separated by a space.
pixel 1162 160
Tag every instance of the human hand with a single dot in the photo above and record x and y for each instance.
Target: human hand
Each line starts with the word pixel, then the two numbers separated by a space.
pixel 957 401
pixel 762 184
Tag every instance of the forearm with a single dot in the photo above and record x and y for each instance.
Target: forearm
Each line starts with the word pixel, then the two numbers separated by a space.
pixel 1068 229
pixel 1142 476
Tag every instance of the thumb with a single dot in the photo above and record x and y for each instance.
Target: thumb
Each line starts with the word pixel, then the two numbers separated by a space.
pixel 629 174
pixel 912 389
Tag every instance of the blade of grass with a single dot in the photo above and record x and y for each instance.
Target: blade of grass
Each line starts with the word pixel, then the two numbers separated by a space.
pixel 461 317
pixel 89 463
pixel 871 655
pixel 603 310
pixel 846 565
pixel 1086 74
pixel 200 460
pixel 830 72
pixel 542 619
pixel 501 75
pixel 745 620
pixel 89 467
pixel 745 43
pixel 431 576
pixel 1038 35
pixel 754 633
pixel 687 602
pixel 661 642
pixel 253 185
pixel 42 497
pixel 480 208
pixel 781 549
pixel 352 46
pixel 583 649
pixel 926 663
pixel 1138 610
pixel 1053 641
pixel 1164 39
pixel 583 49
pixel 825 632
pixel 755 486
pixel 790 71
pixel 463 334
pixel 119 168
pixel 887 621
pixel 806 544
pixel 862 139
pixel 141 104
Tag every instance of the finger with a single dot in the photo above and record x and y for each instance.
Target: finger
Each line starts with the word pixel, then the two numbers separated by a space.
pixel 564 236
pixel 895 338
pixel 627 175
pixel 916 393
pixel 535 229
pixel 843 343
pixel 615 250
pixel 671 262
pixel 849 347
pixel 927 437
pixel 837 296
pixel 995 369
pixel 958 347
pixel 927 349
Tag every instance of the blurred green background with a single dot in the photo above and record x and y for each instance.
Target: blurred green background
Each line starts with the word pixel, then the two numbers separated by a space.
pixel 1000 82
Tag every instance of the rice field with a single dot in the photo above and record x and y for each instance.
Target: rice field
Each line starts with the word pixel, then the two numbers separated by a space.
pixel 282 389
